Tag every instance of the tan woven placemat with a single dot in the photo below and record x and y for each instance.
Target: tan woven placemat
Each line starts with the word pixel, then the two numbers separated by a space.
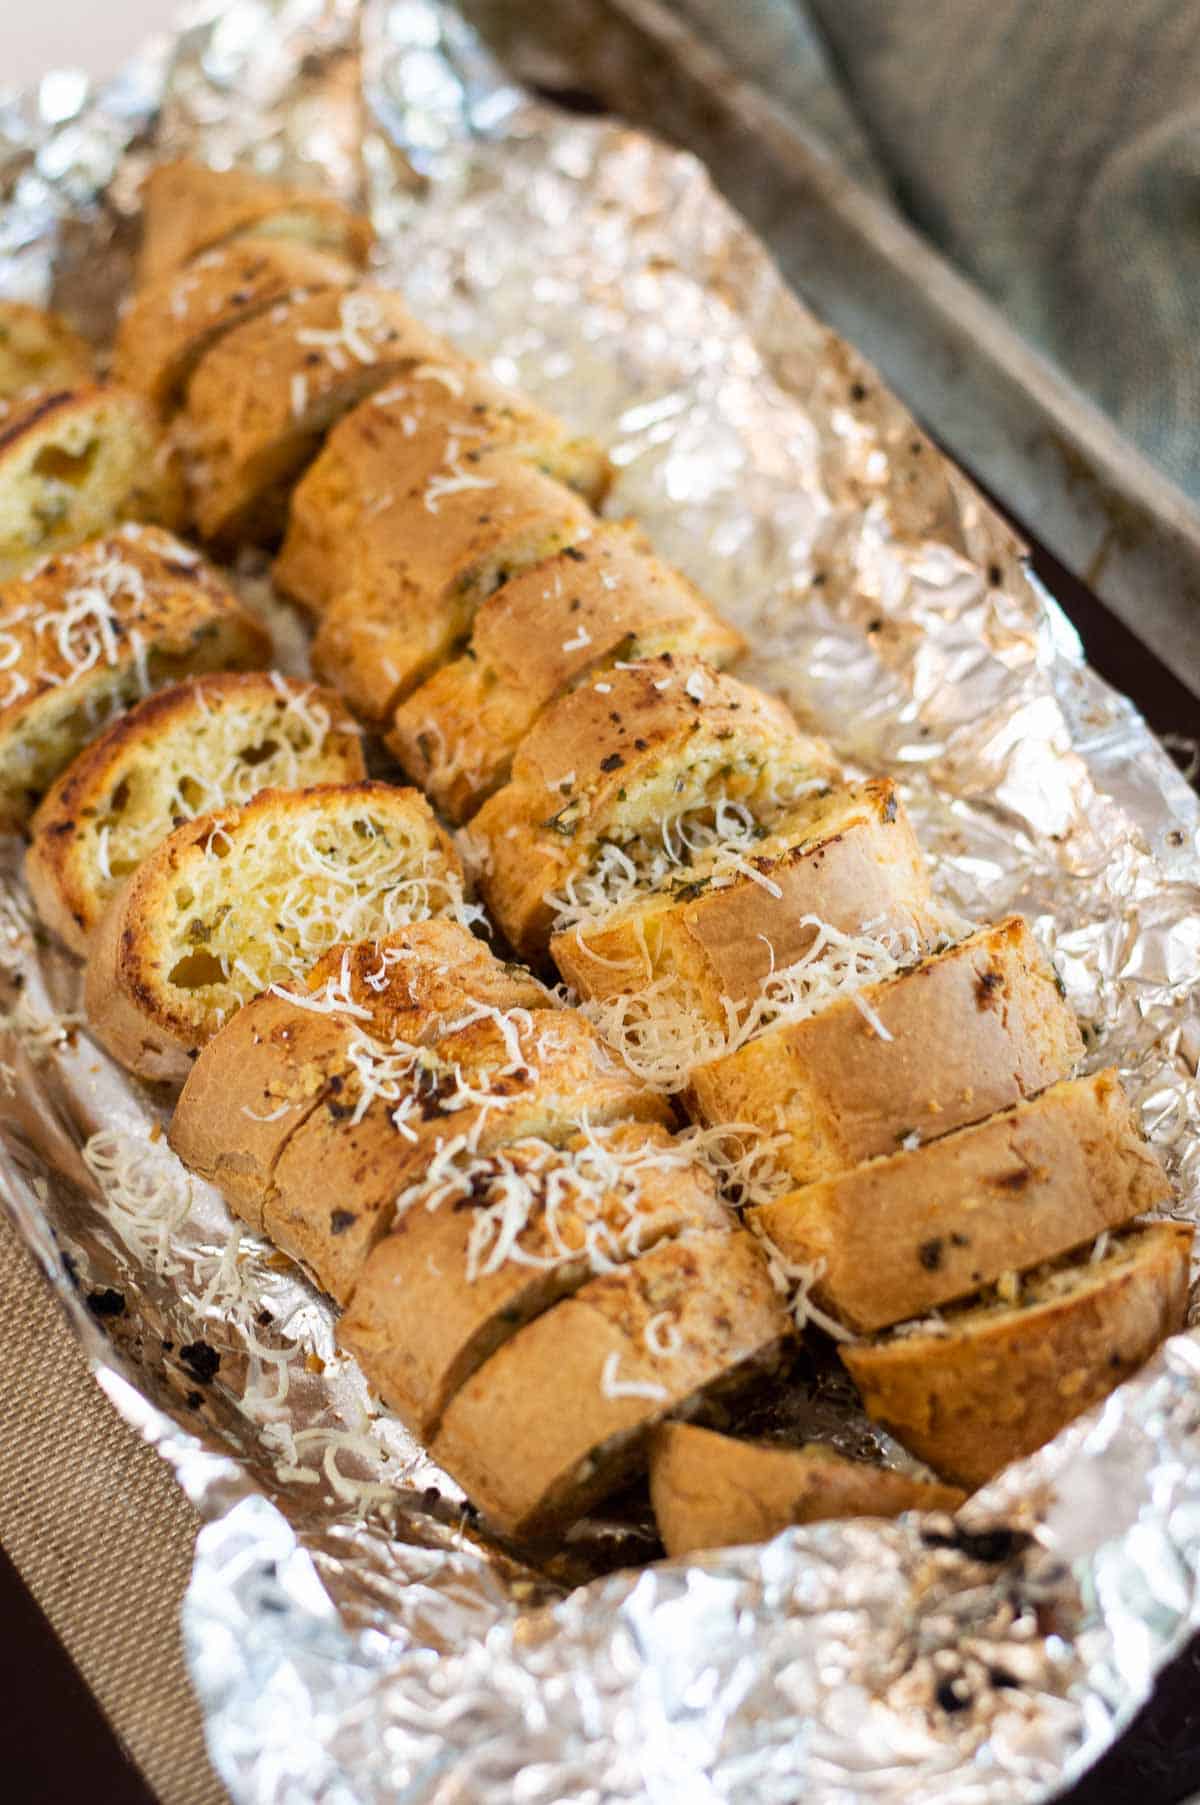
pixel 81 1495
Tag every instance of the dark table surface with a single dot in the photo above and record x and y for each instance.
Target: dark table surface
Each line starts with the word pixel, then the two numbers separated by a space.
pixel 55 1745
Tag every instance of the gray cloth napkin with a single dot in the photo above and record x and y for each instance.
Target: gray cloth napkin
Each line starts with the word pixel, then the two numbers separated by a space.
pixel 1051 148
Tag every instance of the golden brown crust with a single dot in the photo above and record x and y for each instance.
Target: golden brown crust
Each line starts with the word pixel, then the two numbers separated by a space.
pixel 968 1032
pixel 336 1184
pixel 711 1491
pixel 422 1318
pixel 1004 1380
pixel 605 598
pixel 914 1230
pixel 269 1067
pixel 428 429
pixel 265 394
pixel 427 969
pixel 171 957
pixel 854 859
pixel 537 1435
pixel 89 631
pixel 416 573
pixel 38 350
pixel 198 745
pixel 187 208
pixel 168 327
pixel 73 463
pixel 249 1090
pixel 608 764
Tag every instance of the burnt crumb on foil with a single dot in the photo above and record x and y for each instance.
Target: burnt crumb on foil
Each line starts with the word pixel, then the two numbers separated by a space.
pixel 108 1302
pixel 989 1545
pixel 201 1360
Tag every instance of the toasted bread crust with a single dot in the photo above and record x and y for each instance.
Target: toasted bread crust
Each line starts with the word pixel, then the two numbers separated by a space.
pixel 609 763
pixel 168 327
pixel 712 1491
pixel 265 394
pixel 269 1067
pixel 153 1023
pixel 432 426
pixel 420 1322
pixel 417 574
pixel 38 350
pixel 1007 1379
pixel 969 1031
pixel 174 745
pixel 73 463
pixel 607 597
pixel 335 1186
pixel 855 859
pixel 911 1231
pixel 535 1437
pixel 187 208
pixel 89 631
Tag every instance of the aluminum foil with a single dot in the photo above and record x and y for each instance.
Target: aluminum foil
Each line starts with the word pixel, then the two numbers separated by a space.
pixel 352 1635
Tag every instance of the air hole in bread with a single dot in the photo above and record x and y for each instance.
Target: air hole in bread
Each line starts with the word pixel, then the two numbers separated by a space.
pixel 70 467
pixel 258 755
pixel 197 970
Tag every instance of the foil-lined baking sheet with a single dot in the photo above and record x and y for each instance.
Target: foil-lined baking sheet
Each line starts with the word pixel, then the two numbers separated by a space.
pixel 352 1634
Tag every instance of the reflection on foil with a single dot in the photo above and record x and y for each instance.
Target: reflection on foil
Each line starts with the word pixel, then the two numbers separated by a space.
pixel 352 1635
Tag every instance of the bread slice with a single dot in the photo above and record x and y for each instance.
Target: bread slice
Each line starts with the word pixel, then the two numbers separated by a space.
pixel 416 573
pixel 201 745
pixel 948 1041
pixel 263 397
pixel 620 782
pixel 562 1413
pixel 335 1186
pixel 606 598
pixel 469 1262
pixel 911 1231
pixel 188 208
pixel 992 1381
pixel 74 462
pixel 712 1491
pixel 422 438
pixel 282 1055
pixel 682 968
pixel 38 350
pixel 89 631
pixel 243 898
pixel 167 328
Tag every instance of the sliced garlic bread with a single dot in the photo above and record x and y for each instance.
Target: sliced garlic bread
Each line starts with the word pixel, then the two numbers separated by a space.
pixel 416 573
pixel 562 1413
pixel 989 1382
pixel 399 1112
pixel 38 350
pixel 201 745
pixel 421 438
pixel 167 328
pixel 909 1232
pixel 243 898
pixel 625 782
pixel 942 1043
pixel 473 1257
pixel 188 208
pixel 264 396
pixel 715 953
pixel 88 632
pixel 713 1491
pixel 281 1055
pixel 606 598
pixel 74 462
